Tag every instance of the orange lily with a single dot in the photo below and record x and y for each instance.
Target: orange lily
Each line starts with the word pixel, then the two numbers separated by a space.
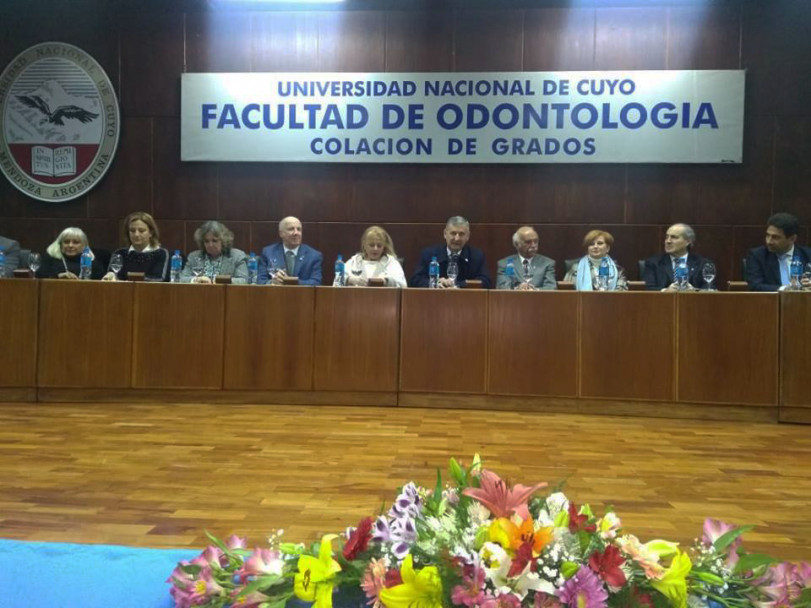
pixel 511 535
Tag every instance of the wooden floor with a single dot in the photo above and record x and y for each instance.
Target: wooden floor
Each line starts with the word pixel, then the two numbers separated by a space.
pixel 159 475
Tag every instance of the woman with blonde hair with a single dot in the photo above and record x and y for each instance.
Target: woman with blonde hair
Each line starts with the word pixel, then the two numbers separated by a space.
pixel 376 260
pixel 144 253
pixel 585 273
pixel 63 257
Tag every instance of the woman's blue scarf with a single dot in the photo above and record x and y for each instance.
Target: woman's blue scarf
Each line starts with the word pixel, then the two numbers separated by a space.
pixel 583 280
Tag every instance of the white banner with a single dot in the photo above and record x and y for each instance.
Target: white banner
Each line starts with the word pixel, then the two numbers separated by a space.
pixel 483 117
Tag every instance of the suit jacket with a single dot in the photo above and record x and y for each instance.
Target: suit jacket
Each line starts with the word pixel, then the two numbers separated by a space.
pixel 658 273
pixel 541 269
pixel 235 265
pixel 472 266
pixel 12 251
pixel 307 267
pixel 763 267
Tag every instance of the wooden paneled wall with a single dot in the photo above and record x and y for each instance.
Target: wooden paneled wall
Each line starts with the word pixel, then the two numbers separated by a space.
pixel 146 46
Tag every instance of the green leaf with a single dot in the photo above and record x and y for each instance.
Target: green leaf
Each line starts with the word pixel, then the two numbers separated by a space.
pixel 751 561
pixel 708 577
pixel 217 542
pixel 192 569
pixel 569 569
pixel 726 539
pixel 261 583
pixel 291 548
pixel 458 473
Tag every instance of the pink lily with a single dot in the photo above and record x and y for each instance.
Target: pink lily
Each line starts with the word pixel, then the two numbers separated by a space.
pixel 260 562
pixel 715 529
pixel 236 542
pixel 502 500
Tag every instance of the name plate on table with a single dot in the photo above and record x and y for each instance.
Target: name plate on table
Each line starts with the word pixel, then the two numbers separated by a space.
pixel 222 279
pixel 290 281
pixel 377 282
pixel 22 273
pixel 135 276
pixel 473 284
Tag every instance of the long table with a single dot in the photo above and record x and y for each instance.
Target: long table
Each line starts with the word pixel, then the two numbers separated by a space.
pixel 713 355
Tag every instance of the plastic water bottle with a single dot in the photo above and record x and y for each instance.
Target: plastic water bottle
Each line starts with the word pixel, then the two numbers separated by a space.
pixel 796 272
pixel 86 264
pixel 340 272
pixel 433 273
pixel 175 267
pixel 602 275
pixel 680 275
pixel 253 269
pixel 509 272
pixel 2 263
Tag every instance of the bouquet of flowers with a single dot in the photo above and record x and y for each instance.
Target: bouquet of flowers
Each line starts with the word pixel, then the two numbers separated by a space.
pixel 479 541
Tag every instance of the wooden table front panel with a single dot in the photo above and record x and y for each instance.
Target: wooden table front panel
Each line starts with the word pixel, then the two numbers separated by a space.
pixel 728 349
pixel 533 343
pixel 85 334
pixel 269 337
pixel 796 349
pixel 627 345
pixel 357 339
pixel 18 328
pixel 178 337
pixel 443 345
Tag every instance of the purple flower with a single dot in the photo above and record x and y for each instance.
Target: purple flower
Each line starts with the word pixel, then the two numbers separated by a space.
pixel 583 590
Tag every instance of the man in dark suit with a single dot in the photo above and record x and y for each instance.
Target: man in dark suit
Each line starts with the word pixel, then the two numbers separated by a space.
pixel 469 260
pixel 12 251
pixel 290 257
pixel 768 267
pixel 659 270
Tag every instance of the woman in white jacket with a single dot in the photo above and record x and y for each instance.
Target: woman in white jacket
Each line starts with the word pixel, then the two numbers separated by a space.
pixel 376 259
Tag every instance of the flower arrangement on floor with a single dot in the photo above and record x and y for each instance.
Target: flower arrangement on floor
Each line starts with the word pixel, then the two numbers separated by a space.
pixel 481 542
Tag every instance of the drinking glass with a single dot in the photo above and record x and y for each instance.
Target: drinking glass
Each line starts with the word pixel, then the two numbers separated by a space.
pixel 453 272
pixel 356 268
pixel 708 272
pixel 197 267
pixel 807 273
pixel 34 261
pixel 116 263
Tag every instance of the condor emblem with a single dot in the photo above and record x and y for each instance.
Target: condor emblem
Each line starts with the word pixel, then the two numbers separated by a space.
pixel 59 122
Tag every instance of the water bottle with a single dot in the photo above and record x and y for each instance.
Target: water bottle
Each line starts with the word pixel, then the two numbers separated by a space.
pixel 681 274
pixel 175 267
pixel 86 264
pixel 433 273
pixel 509 272
pixel 796 272
pixel 340 272
pixel 2 263
pixel 253 269
pixel 602 275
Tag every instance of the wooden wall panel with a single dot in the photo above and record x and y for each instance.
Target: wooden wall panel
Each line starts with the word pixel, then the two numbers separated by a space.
pixel 627 345
pixel 85 334
pixel 269 338
pixel 419 41
pixel 705 37
pixel 632 38
pixel 489 41
pixel 443 346
pixel 728 348
pixel 218 41
pixel 793 166
pixel 532 343
pixel 795 355
pixel 351 41
pixel 284 41
pixel 19 301
pixel 357 339
pixel 178 338
pixel 558 39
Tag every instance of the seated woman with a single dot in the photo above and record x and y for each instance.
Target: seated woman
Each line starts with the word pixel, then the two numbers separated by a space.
pixel 375 260
pixel 216 256
pixel 144 254
pixel 584 274
pixel 62 259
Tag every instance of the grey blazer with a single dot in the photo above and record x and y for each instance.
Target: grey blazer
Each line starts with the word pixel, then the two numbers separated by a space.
pixel 12 251
pixel 541 268
pixel 234 264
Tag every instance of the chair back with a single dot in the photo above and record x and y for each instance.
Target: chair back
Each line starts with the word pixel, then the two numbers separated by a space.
pixel 567 265
pixel 641 266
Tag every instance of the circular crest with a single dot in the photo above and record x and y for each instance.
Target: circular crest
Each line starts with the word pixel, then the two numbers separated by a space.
pixel 59 122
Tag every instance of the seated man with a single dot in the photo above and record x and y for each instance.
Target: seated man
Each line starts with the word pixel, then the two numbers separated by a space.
pixel 532 270
pixel 768 267
pixel 12 251
pixel 658 273
pixel 470 261
pixel 290 258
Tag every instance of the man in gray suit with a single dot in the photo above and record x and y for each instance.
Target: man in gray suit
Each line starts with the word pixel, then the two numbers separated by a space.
pixel 12 251
pixel 532 270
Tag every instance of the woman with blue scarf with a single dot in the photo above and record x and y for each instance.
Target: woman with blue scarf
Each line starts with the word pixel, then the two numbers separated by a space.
pixel 585 273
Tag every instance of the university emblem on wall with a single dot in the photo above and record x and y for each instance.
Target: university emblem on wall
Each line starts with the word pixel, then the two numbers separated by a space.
pixel 59 122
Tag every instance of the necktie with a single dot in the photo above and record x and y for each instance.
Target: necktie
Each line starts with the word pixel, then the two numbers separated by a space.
pixel 526 269
pixel 291 262
pixel 785 260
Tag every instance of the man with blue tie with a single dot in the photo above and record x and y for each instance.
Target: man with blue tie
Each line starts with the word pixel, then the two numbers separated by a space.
pixel 531 270
pixel 290 257
pixel 659 272
pixel 469 261
pixel 768 267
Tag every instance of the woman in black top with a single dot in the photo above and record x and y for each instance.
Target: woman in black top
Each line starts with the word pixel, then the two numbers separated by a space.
pixel 62 259
pixel 144 254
